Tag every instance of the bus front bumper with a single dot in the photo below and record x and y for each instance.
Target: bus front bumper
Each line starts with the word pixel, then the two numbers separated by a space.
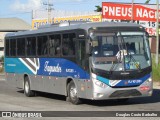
pixel 107 92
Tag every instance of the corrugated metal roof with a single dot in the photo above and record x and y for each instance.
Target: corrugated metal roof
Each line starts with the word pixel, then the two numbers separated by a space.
pixel 13 24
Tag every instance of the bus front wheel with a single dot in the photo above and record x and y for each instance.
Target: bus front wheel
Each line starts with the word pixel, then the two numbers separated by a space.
pixel 72 93
pixel 27 91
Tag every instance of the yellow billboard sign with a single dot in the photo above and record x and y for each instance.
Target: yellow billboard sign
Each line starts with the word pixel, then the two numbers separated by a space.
pixel 97 18
pixel 38 22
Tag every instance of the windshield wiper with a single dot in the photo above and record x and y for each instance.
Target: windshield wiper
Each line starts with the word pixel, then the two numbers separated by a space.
pixel 135 62
pixel 112 67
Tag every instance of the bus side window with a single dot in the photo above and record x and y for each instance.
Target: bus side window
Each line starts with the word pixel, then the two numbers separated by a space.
pixel 65 47
pixel 12 47
pixel 51 45
pixel 68 48
pixel 57 43
pixel 21 46
pixel 81 53
pixel 31 49
pixel 7 48
pixel 72 43
pixel 42 46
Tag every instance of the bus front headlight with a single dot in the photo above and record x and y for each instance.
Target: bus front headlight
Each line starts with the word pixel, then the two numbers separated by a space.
pixel 97 82
pixel 100 84
pixel 148 81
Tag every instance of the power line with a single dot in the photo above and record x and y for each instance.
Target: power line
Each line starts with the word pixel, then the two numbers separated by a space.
pixel 15 13
pixel 76 2
pixel 49 9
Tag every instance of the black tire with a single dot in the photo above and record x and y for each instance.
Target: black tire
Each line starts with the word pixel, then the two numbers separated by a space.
pixel 72 93
pixel 27 91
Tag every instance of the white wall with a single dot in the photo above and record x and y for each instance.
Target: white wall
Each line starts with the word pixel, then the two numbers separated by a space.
pixel 2 35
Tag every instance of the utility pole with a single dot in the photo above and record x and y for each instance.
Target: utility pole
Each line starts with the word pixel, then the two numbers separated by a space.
pixel 157 35
pixel 49 9
pixel 132 11
pixel 31 15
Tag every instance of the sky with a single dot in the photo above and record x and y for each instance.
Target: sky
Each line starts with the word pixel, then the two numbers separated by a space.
pixel 22 8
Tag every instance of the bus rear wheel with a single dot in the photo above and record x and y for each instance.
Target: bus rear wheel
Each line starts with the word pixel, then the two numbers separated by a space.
pixel 72 93
pixel 27 91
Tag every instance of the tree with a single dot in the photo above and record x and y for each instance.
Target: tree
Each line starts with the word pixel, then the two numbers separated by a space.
pixel 147 1
pixel 98 8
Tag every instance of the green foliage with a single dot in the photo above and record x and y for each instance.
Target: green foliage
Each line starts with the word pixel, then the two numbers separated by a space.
pixel 155 70
pixel 1 64
pixel 1 69
pixel 98 8
pixel 2 59
pixel 147 1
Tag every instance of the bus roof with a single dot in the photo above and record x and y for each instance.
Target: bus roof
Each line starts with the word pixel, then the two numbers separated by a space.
pixel 71 26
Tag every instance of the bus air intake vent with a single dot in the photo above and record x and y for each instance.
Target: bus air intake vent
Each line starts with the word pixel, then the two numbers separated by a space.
pixel 125 93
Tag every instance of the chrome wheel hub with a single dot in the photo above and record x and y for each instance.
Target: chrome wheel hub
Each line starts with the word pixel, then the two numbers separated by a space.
pixel 73 92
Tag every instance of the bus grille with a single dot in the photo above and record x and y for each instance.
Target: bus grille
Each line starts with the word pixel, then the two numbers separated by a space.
pixel 125 93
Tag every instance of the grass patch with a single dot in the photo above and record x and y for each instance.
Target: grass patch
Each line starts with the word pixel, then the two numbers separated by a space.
pixel 155 70
pixel 1 69
pixel 1 64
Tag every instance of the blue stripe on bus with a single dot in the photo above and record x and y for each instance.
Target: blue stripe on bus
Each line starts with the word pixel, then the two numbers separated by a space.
pixel 104 80
pixel 14 65
pixel 57 67
pixel 132 82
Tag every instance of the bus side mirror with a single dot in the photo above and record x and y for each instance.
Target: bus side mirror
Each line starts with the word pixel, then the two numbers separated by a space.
pixel 89 48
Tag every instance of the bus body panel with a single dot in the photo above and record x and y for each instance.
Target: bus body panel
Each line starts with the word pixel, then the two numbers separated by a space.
pixel 48 75
pixel 86 88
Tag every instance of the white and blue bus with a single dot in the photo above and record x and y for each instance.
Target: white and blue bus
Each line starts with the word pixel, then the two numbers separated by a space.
pixel 97 61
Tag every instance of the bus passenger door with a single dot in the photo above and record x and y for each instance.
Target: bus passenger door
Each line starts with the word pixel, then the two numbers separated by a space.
pixel 80 53
pixel 83 62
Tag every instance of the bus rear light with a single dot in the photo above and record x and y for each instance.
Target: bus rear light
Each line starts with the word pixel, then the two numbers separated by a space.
pixel 144 88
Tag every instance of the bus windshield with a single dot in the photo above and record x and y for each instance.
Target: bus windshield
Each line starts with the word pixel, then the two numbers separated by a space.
pixel 123 50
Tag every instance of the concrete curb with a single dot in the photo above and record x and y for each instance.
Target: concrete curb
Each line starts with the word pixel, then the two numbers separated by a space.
pixel 156 85
pixel 2 74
